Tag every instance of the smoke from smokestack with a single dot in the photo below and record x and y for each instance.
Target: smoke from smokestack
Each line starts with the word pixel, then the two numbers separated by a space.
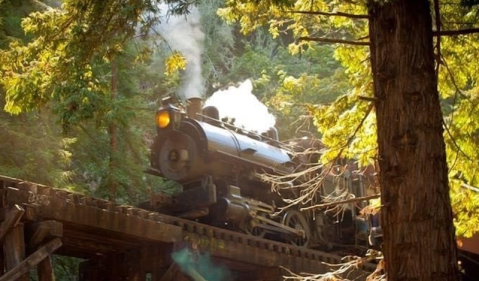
pixel 183 33
pixel 240 103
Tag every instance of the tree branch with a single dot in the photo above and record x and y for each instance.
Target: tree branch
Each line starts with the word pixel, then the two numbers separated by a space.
pixel 331 204
pixel 454 140
pixel 360 43
pixel 470 187
pixel 455 32
pixel 334 41
pixel 337 14
pixel 438 40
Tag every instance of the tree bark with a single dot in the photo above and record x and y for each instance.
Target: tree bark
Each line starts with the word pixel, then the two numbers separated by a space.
pixel 418 233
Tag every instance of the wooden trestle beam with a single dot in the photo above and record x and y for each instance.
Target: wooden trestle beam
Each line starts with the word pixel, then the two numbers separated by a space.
pixel 126 243
pixel 18 272
pixel 14 249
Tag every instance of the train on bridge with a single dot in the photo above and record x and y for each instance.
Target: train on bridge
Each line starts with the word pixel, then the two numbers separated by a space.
pixel 221 169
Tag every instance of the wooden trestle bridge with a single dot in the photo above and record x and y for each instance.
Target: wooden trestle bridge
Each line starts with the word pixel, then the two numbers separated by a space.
pixel 119 242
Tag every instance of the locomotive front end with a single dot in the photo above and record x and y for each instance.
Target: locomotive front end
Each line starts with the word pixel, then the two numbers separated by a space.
pixel 175 154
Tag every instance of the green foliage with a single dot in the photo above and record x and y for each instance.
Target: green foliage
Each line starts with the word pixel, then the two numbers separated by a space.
pixel 175 63
pixel 323 82
pixel 64 268
pixel 60 61
pixel 337 122
pixel 463 153
pixel 49 66
pixel 33 149
pixel 69 44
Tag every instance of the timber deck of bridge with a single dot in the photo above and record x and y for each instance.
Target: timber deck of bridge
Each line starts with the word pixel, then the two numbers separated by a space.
pixel 121 242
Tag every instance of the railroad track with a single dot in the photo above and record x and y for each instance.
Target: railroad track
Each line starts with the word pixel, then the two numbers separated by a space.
pixel 94 226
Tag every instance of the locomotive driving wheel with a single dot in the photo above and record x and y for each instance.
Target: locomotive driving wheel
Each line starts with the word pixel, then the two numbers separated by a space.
pixel 251 227
pixel 297 221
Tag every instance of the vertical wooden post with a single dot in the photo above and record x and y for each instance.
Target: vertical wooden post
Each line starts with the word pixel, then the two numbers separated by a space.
pixel 45 270
pixel 156 273
pixel 3 210
pixel 14 249
pixel 93 270
pixel 135 273
pixel 116 267
pixel 2 262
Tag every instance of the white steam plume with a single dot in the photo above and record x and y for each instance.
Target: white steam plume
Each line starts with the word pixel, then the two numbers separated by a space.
pixel 183 33
pixel 240 103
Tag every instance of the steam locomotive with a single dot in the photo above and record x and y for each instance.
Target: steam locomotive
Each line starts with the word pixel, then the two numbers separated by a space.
pixel 219 168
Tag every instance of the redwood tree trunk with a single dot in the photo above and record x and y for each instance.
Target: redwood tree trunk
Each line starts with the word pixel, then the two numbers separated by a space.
pixel 419 242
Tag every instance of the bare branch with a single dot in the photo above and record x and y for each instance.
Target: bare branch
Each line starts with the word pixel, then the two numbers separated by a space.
pixel 371 99
pixel 340 270
pixel 309 181
pixel 438 40
pixel 331 204
pixel 470 187
pixel 455 32
pixel 334 41
pixel 454 141
pixel 338 14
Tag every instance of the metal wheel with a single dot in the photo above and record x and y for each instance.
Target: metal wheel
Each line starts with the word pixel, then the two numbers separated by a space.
pixel 296 220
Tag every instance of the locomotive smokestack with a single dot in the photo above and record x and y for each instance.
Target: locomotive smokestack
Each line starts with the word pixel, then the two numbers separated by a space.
pixel 183 33
pixel 194 107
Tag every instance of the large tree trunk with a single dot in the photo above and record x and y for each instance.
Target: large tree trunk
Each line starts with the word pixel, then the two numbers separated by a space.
pixel 419 241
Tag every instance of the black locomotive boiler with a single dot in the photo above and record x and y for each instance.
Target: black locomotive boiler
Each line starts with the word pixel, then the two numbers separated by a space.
pixel 219 168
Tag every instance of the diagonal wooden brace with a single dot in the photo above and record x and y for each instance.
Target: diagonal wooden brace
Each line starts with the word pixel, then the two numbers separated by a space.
pixel 34 259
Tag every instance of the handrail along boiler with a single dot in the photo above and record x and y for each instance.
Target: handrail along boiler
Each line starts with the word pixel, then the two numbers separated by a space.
pixel 219 167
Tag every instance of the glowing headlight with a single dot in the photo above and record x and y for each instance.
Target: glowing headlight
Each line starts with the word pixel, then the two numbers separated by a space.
pixel 163 119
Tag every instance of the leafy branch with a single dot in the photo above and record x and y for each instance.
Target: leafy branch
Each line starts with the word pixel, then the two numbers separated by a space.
pixel 339 14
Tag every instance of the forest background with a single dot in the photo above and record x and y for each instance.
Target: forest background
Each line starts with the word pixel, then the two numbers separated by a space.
pixel 65 139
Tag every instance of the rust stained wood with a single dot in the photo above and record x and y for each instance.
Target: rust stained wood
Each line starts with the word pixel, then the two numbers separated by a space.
pixel 14 250
pixel 34 259
pixel 12 217
pixel 64 211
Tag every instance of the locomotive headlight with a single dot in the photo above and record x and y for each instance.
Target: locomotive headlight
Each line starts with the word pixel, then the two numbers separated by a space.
pixel 163 119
